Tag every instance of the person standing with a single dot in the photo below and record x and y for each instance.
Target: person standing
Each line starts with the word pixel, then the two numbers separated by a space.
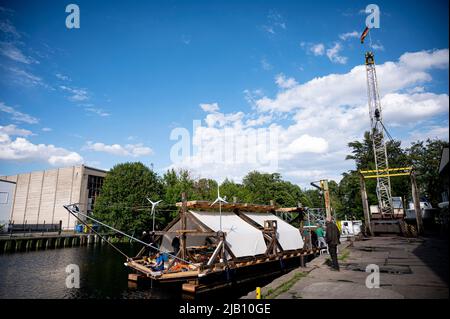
pixel 332 237
pixel 320 236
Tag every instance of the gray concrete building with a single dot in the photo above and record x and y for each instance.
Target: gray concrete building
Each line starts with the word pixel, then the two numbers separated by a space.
pixel 6 201
pixel 38 197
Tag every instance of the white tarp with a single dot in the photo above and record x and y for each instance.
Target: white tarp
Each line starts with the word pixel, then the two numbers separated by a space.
pixel 242 238
pixel 289 237
pixel 166 244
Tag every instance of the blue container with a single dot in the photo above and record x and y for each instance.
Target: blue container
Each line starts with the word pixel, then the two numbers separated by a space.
pixel 79 228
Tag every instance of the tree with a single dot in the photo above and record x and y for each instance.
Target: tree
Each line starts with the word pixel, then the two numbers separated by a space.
pixel 425 159
pixel 123 195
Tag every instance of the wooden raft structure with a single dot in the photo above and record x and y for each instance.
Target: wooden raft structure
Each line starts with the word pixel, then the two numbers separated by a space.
pixel 215 263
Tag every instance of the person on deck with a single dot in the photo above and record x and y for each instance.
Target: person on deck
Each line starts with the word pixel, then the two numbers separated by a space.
pixel 159 262
pixel 176 244
pixel 332 237
pixel 320 236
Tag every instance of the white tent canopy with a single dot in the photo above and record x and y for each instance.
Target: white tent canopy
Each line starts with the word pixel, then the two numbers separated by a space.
pixel 288 236
pixel 242 238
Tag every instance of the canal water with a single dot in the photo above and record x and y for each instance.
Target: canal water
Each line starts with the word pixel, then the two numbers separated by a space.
pixel 42 274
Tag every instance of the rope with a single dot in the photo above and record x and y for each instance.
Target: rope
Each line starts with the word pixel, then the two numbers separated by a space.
pixel 93 230
pixel 124 234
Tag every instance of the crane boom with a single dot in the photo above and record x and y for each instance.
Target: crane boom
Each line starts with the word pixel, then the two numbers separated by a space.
pixel 377 134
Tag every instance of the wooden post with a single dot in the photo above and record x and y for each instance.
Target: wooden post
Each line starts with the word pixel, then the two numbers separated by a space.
pixel 416 200
pixel 183 226
pixel 365 204
pixel 326 195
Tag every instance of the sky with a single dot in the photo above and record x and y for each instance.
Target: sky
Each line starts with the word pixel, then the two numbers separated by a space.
pixel 217 87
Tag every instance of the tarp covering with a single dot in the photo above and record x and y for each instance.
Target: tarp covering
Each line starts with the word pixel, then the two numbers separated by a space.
pixel 166 244
pixel 242 238
pixel 289 237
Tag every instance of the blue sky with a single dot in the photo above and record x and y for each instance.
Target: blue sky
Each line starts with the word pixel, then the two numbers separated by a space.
pixel 114 89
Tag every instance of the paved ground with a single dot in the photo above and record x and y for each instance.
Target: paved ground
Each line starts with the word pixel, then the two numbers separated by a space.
pixel 409 268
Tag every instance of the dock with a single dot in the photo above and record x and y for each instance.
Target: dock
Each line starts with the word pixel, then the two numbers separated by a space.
pixel 32 242
pixel 409 269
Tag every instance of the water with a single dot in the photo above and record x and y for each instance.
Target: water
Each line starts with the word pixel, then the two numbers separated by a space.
pixel 42 274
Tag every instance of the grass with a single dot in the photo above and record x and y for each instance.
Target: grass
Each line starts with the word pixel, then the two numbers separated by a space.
pixel 344 255
pixel 285 286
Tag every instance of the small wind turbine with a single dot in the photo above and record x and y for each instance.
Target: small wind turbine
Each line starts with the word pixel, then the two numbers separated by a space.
pixel 153 210
pixel 220 200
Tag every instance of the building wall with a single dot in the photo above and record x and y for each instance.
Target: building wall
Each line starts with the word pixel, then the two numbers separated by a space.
pixel 40 196
pixel 6 200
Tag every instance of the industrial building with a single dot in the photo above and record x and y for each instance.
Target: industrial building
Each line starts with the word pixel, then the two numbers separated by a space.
pixel 37 198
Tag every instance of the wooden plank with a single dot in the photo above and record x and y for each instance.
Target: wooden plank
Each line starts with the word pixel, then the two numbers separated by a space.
pixel 206 205
pixel 181 274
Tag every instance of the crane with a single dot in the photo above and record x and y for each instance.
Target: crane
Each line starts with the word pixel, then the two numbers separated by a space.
pixel 378 141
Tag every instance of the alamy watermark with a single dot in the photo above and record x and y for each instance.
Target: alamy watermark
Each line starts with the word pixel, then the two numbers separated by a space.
pixel 373 18
pixel 226 146
pixel 373 280
pixel 73 19
pixel 73 278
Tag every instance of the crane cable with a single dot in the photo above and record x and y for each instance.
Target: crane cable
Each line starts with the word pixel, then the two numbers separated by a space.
pixel 70 210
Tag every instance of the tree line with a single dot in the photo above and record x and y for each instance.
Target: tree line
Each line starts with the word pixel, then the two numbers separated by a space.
pixel 123 204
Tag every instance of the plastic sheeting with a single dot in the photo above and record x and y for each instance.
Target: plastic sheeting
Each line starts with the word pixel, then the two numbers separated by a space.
pixel 242 238
pixel 289 237
pixel 166 244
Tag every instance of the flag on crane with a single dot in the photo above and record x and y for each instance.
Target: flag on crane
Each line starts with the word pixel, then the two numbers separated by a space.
pixel 364 34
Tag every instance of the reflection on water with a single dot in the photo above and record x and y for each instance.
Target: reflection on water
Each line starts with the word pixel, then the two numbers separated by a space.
pixel 42 274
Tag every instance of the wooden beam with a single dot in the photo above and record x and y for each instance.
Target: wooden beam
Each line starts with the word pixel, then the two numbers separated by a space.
pixel 365 204
pixel 416 200
pixel 183 225
pixel 206 205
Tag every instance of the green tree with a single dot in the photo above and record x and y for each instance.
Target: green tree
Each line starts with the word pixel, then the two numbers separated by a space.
pixel 425 159
pixel 123 195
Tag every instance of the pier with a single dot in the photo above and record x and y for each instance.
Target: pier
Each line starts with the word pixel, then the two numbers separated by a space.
pixel 32 242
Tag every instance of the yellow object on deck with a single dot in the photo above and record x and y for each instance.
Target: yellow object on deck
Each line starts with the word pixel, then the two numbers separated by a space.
pixel 258 292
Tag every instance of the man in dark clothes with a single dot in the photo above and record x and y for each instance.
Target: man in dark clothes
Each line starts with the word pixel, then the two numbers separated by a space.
pixel 176 244
pixel 332 237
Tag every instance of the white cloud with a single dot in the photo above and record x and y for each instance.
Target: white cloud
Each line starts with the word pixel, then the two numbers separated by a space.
pixel 349 89
pixel 11 51
pixel 378 46
pixel 46 129
pixel 349 35
pixel 9 29
pixel 62 77
pixel 308 144
pixel 133 150
pixel 78 94
pixel 21 149
pixel 285 83
pixel 317 49
pixel 431 59
pixel 333 54
pixel 18 116
pixel 275 22
pixel 97 111
pixel 210 107
pixel 410 108
pixel 265 64
pixel 315 121
pixel 12 130
pixel 26 78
